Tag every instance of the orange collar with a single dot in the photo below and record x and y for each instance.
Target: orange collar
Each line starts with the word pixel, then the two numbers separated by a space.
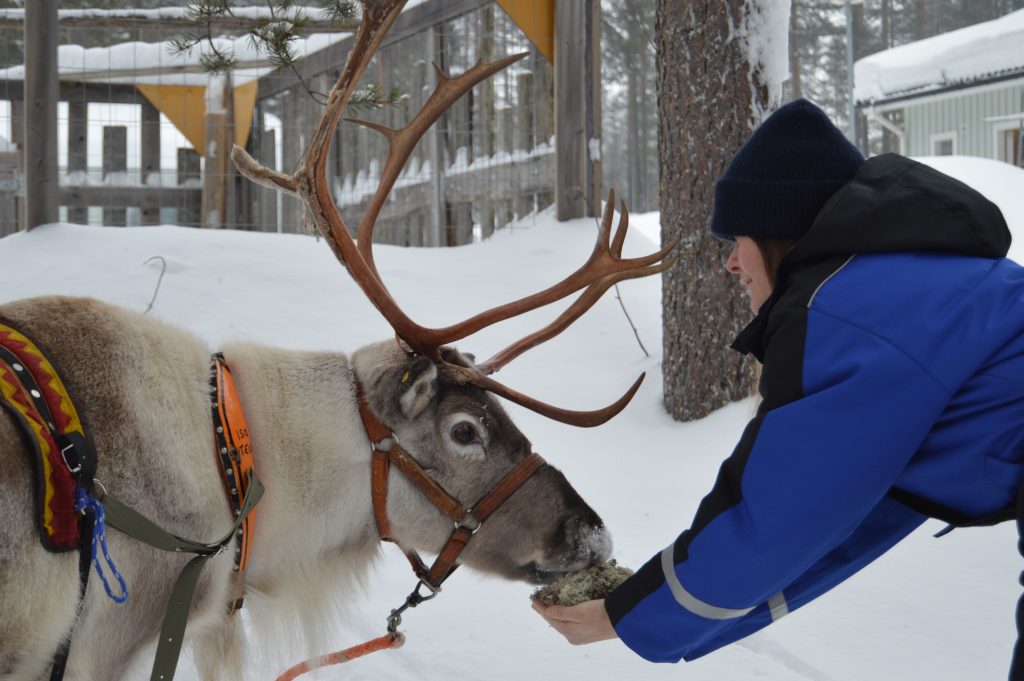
pixel 234 453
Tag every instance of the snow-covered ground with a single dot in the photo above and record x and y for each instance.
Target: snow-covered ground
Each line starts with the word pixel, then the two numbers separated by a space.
pixel 941 610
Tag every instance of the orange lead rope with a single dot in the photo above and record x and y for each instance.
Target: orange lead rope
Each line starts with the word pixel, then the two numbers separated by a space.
pixel 382 643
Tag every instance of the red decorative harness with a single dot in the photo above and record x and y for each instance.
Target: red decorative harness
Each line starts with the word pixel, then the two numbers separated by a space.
pixel 35 395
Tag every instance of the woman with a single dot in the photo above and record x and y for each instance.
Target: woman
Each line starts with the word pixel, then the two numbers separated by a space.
pixel 891 331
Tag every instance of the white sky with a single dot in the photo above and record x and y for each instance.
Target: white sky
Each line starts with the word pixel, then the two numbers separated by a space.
pixel 941 610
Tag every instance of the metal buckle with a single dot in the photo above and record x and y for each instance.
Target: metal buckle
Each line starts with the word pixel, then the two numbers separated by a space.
pixel 74 470
pixel 469 522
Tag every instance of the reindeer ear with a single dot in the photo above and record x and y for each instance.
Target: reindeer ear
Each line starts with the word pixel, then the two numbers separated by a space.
pixel 417 386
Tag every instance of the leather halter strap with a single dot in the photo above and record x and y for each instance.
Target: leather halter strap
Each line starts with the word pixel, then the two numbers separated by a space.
pixel 233 451
pixel 387 451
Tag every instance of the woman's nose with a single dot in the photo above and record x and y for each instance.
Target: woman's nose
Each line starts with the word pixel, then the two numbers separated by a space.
pixel 732 264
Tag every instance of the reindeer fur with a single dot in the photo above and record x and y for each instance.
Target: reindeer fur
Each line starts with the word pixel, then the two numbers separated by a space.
pixel 143 388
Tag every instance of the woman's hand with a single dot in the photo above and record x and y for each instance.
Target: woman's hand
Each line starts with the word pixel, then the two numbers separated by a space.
pixel 579 624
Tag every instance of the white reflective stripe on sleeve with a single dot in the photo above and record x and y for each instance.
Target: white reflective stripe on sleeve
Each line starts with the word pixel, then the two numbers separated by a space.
pixel 688 600
pixel 778 606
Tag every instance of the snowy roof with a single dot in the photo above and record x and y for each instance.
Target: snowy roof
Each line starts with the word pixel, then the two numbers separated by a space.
pixel 310 11
pixel 969 55
pixel 139 63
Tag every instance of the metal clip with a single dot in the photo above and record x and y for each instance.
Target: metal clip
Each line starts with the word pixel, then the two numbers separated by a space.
pixel 411 601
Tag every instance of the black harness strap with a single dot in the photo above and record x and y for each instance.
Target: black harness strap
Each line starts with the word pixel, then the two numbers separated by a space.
pixel 137 526
pixel 60 658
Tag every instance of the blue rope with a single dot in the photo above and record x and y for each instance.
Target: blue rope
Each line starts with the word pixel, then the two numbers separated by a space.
pixel 99 534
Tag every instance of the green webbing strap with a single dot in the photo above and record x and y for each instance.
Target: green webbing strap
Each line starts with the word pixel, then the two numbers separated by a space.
pixel 138 526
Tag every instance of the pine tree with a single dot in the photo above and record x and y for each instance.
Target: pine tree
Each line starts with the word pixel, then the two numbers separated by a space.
pixel 706 112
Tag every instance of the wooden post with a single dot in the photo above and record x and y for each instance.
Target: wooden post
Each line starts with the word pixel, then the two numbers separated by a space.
pixel 115 160
pixel 577 108
pixel 188 174
pixel 219 138
pixel 150 209
pixel 268 199
pixel 486 115
pixel 8 193
pixel 438 217
pixel 592 106
pixel 78 160
pixel 18 137
pixel 292 142
pixel 522 203
pixel 41 91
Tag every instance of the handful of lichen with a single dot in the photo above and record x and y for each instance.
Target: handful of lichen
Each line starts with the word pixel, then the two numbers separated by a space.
pixel 596 581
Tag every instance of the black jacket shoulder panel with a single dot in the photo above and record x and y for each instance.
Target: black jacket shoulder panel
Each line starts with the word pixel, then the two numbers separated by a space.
pixel 896 204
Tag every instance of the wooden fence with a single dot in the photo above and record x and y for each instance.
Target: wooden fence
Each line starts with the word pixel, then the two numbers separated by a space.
pixel 488 161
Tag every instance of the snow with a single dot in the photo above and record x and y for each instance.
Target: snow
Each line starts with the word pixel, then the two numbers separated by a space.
pixel 309 11
pixel 765 36
pixel 941 610
pixel 142 63
pixel 981 51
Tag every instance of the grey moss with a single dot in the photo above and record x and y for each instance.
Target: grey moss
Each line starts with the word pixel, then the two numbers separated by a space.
pixel 596 581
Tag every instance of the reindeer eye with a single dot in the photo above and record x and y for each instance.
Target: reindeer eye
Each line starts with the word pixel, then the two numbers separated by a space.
pixel 464 433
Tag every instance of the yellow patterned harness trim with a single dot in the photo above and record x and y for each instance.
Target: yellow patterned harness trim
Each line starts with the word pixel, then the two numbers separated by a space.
pixel 56 484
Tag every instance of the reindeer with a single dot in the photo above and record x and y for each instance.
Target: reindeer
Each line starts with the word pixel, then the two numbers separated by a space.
pixel 144 388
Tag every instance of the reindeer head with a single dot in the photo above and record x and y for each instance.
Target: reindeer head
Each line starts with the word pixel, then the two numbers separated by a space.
pixel 436 401
pixel 466 443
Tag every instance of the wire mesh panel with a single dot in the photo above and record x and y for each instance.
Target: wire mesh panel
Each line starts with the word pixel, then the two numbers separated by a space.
pixel 487 161
pixel 144 132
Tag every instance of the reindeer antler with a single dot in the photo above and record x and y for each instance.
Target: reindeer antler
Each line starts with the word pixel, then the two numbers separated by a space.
pixel 604 268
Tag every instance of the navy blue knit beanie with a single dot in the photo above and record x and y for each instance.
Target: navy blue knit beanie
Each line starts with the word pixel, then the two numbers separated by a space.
pixel 783 176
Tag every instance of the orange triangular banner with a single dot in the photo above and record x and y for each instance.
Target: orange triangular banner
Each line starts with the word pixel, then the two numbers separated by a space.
pixel 536 18
pixel 185 106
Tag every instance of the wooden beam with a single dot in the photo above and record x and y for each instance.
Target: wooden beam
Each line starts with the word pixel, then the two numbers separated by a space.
pixel 577 108
pixel 435 147
pixel 112 93
pixel 78 159
pixel 115 169
pixel 150 161
pixel 122 197
pixel 217 169
pixel 41 181
pixel 189 180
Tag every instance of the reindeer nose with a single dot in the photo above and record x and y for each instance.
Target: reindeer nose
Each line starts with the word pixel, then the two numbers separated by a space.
pixel 600 545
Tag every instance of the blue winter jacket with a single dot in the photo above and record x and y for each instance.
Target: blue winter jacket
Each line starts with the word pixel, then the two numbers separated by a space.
pixel 893 390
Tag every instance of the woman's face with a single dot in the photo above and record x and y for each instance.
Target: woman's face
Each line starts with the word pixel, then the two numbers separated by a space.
pixel 745 262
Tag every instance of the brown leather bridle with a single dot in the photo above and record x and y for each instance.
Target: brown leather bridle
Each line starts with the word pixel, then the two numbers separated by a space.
pixel 467 520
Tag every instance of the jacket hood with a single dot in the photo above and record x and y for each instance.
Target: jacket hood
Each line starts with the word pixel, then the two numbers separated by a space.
pixel 896 204
pixel 892 204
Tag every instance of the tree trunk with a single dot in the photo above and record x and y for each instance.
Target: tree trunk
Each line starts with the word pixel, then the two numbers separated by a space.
pixel 633 96
pixel 795 88
pixel 706 113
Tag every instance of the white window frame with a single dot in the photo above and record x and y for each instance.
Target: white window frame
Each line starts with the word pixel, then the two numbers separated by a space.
pixel 997 130
pixel 949 136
